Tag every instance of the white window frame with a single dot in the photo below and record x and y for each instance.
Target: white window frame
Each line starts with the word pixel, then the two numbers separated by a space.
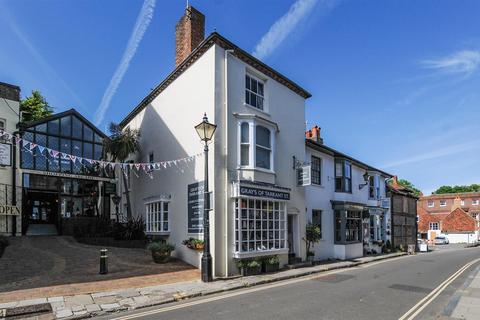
pixel 154 217
pixel 462 202
pixel 434 226
pixel 263 97
pixel 320 170
pixel 475 202
pixel 252 127
pixel 273 226
pixel 430 203
pixel 443 203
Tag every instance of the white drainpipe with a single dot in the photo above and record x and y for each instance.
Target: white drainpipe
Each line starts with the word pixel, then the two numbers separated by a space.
pixel 225 68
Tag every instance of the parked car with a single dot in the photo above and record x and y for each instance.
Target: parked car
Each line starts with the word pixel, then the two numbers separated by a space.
pixel 441 240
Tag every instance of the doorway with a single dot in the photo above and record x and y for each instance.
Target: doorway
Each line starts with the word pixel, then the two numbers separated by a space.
pixel 42 208
pixel 290 235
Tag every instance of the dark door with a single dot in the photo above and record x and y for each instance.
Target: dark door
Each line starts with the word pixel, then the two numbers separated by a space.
pixel 42 207
pixel 291 249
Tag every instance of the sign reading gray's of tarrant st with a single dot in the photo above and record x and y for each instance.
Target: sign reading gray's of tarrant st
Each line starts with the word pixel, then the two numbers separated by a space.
pixel 195 207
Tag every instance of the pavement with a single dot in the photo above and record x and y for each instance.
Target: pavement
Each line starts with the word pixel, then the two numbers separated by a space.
pixel 410 287
pixel 99 303
pixel 45 267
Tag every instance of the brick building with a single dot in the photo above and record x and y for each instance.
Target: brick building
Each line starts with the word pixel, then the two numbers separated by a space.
pixel 443 203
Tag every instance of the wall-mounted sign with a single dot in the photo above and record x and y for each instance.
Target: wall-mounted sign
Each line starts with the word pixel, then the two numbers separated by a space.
pixel 304 176
pixel 5 154
pixel 109 188
pixel 195 207
pixel 264 193
pixel 6 210
pixel 67 175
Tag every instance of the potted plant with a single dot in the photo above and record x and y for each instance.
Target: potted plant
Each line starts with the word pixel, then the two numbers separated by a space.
pixel 249 267
pixel 161 251
pixel 312 234
pixel 194 244
pixel 270 264
pixel 310 256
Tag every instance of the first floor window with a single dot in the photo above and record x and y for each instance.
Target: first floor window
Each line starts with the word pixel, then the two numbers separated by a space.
pixel 263 147
pixel 316 170
pixel 156 216
pixel 434 226
pixel 260 225
pixel 475 202
pixel 256 144
pixel 430 204
pixel 343 176
pixel 443 203
pixel 244 144
pixel 317 219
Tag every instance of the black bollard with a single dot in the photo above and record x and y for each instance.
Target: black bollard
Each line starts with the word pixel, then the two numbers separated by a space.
pixel 103 261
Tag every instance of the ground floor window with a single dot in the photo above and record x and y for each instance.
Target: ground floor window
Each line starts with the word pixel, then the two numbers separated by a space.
pixel 376 227
pixel 434 226
pixel 156 216
pixel 259 225
pixel 348 226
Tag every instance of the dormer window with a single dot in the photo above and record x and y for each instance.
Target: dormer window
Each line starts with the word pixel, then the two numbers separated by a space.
pixel 254 92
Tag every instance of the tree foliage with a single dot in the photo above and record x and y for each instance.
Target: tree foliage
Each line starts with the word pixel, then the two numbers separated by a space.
pixel 313 234
pixel 35 107
pixel 407 184
pixel 457 189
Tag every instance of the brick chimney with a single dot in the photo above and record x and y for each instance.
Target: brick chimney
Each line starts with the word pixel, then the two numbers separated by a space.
pixel 314 135
pixel 189 33
pixel 457 203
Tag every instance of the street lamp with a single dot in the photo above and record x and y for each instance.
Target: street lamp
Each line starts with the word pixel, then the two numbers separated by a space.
pixel 205 131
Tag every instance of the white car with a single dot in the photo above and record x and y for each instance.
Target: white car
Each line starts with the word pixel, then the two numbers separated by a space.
pixel 441 240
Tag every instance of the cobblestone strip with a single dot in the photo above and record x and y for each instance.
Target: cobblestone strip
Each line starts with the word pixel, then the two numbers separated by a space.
pixel 88 305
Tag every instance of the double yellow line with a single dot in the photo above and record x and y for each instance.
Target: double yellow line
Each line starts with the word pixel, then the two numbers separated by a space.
pixel 422 304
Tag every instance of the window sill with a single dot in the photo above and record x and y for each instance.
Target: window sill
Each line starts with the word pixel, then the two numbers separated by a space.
pixel 252 254
pixel 347 192
pixel 347 243
pixel 158 233
pixel 256 109
pixel 256 169
pixel 318 185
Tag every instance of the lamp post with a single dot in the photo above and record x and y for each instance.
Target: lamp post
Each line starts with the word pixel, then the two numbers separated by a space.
pixel 116 200
pixel 205 131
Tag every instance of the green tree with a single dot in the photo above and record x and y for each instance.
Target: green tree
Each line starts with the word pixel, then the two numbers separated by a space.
pixel 313 234
pixel 120 146
pixel 407 184
pixel 457 189
pixel 34 107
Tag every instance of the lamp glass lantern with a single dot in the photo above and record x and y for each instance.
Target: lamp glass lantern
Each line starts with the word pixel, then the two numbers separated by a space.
pixel 205 129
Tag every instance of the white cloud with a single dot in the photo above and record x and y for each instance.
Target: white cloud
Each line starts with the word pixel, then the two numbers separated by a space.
pixel 141 25
pixel 280 30
pixel 464 62
pixel 435 154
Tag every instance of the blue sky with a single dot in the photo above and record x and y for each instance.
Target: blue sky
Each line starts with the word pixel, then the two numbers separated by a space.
pixel 395 83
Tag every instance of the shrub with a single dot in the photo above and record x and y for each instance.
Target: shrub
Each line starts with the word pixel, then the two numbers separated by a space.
pixel 133 229
pixel 164 247
pixel 272 260
pixel 254 264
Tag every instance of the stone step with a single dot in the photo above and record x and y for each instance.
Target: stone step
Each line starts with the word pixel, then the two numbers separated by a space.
pixel 42 230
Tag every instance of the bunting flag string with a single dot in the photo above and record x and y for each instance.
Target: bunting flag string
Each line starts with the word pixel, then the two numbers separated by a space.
pixel 48 153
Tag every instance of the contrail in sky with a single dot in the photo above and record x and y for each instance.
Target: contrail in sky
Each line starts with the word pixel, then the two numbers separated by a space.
pixel 141 25
pixel 282 28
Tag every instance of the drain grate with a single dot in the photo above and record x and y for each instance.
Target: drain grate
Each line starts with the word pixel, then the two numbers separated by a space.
pixel 408 288
pixel 334 278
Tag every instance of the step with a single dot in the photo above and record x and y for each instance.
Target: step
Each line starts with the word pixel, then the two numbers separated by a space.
pixel 42 230
pixel 299 265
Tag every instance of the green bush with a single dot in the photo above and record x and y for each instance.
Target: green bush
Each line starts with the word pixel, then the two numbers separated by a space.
pixel 272 260
pixel 254 264
pixel 158 246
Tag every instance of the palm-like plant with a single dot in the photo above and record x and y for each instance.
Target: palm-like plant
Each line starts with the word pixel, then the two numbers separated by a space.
pixel 120 146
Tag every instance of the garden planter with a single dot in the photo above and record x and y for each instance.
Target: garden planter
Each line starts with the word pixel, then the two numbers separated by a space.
pixel 270 267
pixel 199 247
pixel 160 257
pixel 250 271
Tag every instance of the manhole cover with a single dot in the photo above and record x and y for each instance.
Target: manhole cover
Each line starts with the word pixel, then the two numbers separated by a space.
pixel 334 278
pixel 408 288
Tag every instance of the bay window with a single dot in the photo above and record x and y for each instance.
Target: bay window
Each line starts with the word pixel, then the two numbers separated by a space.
pixel 348 226
pixel 156 217
pixel 260 225
pixel 256 143
pixel 343 176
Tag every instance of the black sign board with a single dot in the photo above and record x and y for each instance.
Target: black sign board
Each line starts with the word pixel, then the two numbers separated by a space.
pixel 110 188
pixel 264 193
pixel 195 207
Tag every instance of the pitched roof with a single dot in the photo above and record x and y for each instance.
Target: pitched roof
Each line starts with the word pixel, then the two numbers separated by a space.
pixel 323 148
pixel 458 221
pixel 215 38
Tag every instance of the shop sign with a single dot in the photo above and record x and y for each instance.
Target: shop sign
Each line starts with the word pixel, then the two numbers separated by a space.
pixel 110 188
pixel 5 154
pixel 195 207
pixel 304 175
pixel 264 193
pixel 66 175
pixel 6 210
